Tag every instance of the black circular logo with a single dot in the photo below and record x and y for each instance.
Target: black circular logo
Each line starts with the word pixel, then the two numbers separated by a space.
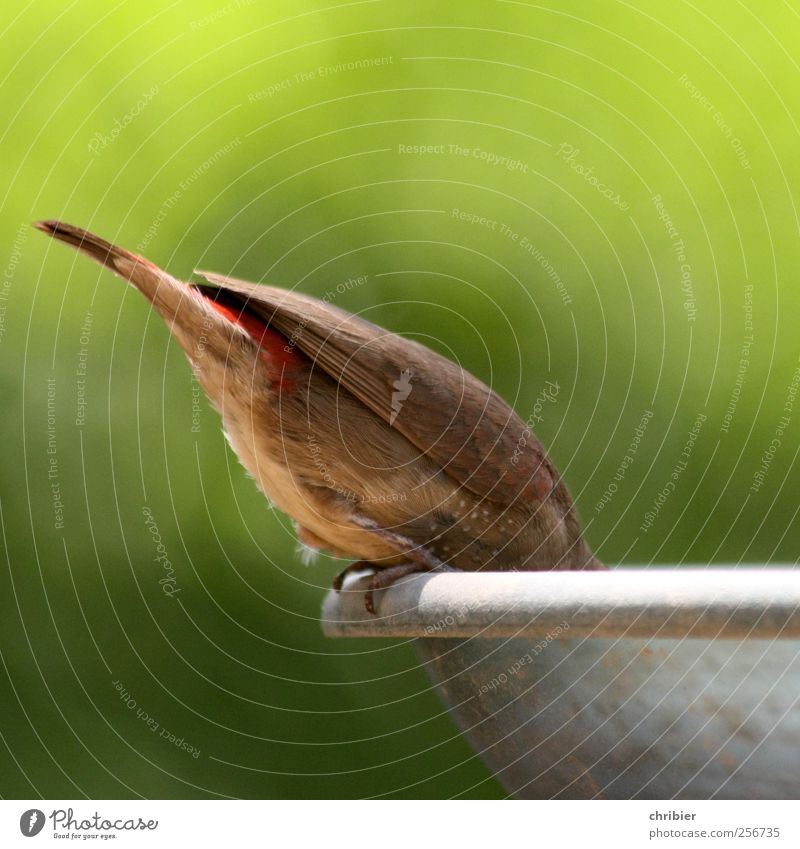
pixel 31 822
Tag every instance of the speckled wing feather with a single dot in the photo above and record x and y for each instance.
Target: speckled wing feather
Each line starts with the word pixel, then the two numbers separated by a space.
pixel 440 408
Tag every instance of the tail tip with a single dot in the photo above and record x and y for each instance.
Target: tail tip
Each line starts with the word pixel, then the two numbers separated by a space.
pixel 99 249
pixel 49 227
pixel 64 231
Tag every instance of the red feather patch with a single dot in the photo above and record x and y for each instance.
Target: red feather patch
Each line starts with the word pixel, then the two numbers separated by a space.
pixel 276 351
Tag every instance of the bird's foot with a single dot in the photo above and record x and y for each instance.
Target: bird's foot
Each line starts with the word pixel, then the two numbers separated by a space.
pixel 358 566
pixel 420 560
pixel 380 580
pixel 387 576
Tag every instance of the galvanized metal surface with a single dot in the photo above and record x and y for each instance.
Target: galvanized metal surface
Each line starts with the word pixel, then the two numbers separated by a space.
pixel 623 719
pixel 716 602
pixel 556 713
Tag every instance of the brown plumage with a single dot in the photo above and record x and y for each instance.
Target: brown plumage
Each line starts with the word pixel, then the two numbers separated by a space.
pixel 378 448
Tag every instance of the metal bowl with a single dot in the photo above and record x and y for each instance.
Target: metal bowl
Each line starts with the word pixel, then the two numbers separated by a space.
pixel 648 683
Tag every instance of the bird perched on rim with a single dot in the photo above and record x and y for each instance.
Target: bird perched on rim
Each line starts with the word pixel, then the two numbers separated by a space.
pixel 379 448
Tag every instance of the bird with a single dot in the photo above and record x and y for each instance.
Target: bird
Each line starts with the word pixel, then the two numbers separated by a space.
pixel 380 450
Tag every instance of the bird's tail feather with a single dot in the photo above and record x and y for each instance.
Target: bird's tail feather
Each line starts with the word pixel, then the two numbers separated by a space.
pixel 113 257
pixel 161 289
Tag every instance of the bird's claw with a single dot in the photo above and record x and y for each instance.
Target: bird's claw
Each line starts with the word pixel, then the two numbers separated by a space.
pixel 369 595
pixel 358 566
pixel 380 579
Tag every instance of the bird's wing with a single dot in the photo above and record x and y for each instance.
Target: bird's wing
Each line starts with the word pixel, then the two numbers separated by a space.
pixel 439 407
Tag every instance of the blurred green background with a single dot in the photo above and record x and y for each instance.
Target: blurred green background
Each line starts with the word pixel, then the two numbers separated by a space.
pixel 635 167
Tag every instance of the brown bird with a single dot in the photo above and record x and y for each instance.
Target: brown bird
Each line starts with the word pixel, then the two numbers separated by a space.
pixel 377 447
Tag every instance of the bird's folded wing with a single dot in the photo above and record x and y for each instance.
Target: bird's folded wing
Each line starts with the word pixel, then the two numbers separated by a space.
pixel 439 407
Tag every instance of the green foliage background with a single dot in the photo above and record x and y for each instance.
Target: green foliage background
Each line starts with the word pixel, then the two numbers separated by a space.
pixel 238 154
